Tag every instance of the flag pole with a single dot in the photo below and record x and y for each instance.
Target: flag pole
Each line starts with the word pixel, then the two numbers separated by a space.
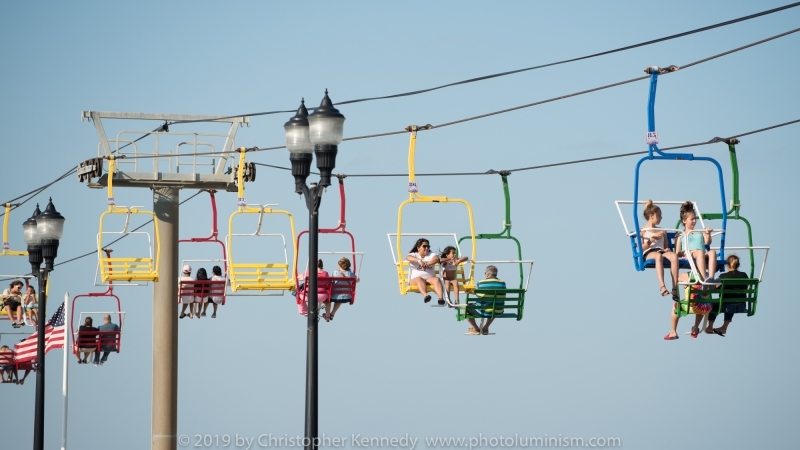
pixel 67 351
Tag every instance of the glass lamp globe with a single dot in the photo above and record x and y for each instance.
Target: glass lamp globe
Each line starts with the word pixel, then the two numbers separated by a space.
pixel 29 229
pixel 296 130
pixel 326 123
pixel 50 224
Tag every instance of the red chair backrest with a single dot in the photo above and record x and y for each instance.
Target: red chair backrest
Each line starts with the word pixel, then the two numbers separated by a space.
pixel 330 286
pixel 201 288
pixel 97 340
pixel 87 339
pixel 109 339
pixel 7 358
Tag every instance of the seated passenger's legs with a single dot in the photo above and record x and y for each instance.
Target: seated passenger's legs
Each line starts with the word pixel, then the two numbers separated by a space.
pixel 712 263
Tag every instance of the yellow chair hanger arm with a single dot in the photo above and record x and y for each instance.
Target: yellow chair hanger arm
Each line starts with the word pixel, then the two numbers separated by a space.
pixel 6 248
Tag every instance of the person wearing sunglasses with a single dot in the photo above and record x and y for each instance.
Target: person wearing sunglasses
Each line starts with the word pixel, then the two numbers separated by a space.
pixel 421 261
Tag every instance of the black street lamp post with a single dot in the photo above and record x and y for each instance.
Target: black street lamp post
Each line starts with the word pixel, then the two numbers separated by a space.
pixel 42 234
pixel 321 132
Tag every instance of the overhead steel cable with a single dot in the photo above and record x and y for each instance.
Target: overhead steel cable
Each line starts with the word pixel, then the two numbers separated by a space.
pixel 506 110
pixel 564 163
pixel 541 66
pixel 41 189
pixel 162 127
pixel 37 191
pixel 620 83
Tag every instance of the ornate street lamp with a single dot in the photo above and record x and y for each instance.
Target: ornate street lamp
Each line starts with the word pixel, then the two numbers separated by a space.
pixel 42 232
pixel 322 132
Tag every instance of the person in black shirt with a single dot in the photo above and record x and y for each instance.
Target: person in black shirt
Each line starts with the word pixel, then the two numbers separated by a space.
pixel 87 341
pixel 733 265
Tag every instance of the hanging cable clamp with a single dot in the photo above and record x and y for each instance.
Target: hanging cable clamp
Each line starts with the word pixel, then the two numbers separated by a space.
pixel 341 176
pixel 655 69
pixel 415 128
pixel 729 141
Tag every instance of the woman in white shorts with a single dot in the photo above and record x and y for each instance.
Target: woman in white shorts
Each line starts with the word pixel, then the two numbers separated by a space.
pixel 421 262
pixel 216 300
pixel 187 300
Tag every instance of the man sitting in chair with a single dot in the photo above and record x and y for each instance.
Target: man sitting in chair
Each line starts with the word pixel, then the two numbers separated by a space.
pixel 109 335
pixel 490 307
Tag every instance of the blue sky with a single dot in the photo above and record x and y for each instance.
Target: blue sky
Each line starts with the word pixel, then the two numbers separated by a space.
pixel 588 359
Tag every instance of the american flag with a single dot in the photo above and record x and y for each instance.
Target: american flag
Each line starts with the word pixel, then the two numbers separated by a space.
pixel 53 338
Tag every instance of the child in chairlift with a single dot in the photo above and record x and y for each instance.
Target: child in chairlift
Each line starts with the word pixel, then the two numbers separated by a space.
pixel 187 300
pixel 339 298
pixel 654 246
pixel 695 244
pixel 31 306
pixel 201 275
pixel 449 263
pixel 216 300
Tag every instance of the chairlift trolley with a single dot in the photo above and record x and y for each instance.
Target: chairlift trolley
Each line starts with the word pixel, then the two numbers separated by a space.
pixel 655 154
pixel 102 339
pixel 485 303
pixel 272 277
pixel 727 297
pixel 7 251
pixel 206 288
pixel 332 285
pixel 464 276
pixel 127 268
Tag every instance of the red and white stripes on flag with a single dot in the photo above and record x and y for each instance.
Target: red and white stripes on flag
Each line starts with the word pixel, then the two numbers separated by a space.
pixel 54 333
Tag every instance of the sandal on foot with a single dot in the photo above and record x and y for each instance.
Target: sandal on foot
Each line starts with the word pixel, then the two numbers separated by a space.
pixel 182 316
pixel 485 331
pixel 664 291
pixel 670 338
pixel 718 332
pixel 675 296
pixel 214 316
pixel 326 317
pixel 473 331
pixel 440 301
pixel 427 298
pixel 695 332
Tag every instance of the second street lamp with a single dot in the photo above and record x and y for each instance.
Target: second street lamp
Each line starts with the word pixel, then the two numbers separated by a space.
pixel 42 233
pixel 322 132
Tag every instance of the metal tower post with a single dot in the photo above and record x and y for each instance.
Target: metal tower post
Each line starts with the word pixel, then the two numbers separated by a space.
pixel 164 427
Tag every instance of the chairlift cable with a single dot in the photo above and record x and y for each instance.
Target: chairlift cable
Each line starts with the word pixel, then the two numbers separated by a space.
pixel 565 163
pixel 541 66
pixel 41 189
pixel 502 111
pixel 71 171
